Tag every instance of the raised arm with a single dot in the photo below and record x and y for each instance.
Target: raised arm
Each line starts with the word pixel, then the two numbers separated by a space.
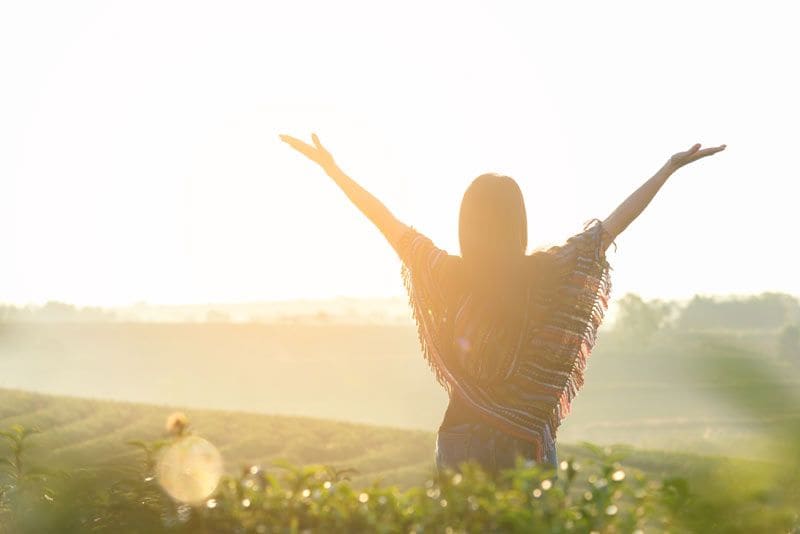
pixel 370 206
pixel 638 201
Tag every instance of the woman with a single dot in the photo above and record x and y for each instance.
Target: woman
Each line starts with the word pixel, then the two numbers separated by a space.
pixel 507 334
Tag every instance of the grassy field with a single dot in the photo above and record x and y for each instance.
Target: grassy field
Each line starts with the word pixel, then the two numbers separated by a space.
pixel 94 433
pixel 79 433
pixel 674 393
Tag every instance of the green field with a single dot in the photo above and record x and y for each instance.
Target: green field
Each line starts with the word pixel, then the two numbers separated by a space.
pixel 84 433
pixel 706 420
pixel 675 393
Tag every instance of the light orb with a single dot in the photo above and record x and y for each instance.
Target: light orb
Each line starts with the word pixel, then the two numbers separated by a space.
pixel 189 469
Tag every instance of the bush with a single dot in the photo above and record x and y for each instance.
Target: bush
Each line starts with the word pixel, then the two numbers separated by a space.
pixel 601 496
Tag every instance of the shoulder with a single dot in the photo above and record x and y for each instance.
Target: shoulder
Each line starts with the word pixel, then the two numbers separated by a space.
pixel 415 248
pixel 590 244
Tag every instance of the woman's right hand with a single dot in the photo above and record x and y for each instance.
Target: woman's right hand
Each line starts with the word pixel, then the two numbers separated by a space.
pixel 693 154
pixel 316 153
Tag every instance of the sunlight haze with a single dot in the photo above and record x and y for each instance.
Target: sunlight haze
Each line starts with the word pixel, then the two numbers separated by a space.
pixel 140 159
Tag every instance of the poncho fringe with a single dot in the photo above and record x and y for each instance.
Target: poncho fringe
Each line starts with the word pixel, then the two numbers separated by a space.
pixel 551 365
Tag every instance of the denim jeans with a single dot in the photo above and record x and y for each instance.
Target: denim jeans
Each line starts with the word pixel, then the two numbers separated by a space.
pixel 492 449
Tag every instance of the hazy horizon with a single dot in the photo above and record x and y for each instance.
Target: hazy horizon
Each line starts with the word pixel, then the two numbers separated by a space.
pixel 398 298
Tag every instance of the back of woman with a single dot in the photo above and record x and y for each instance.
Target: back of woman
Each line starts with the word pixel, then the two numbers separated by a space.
pixel 507 334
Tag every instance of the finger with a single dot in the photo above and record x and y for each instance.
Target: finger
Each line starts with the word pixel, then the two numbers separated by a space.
pixel 705 153
pixel 689 153
pixel 292 140
pixel 289 139
pixel 299 145
pixel 321 150
pixel 709 151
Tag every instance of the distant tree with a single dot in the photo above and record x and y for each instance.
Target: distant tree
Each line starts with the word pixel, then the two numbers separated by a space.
pixel 639 319
pixel 56 311
pixel 789 342
pixel 764 311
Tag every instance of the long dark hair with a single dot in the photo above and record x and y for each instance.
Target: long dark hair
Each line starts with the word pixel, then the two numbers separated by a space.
pixel 493 234
pixel 493 224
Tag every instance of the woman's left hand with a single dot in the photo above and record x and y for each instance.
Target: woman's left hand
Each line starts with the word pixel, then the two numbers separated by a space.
pixel 316 153
pixel 693 154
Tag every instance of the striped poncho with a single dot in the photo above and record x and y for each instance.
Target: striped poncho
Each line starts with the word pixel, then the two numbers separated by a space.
pixel 520 379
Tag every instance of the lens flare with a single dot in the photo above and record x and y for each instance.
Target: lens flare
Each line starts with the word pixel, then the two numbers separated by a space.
pixel 189 469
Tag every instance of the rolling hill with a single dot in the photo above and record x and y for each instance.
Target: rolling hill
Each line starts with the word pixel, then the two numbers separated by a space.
pixel 78 433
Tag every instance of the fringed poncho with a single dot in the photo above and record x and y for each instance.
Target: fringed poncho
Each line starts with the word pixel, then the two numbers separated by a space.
pixel 522 381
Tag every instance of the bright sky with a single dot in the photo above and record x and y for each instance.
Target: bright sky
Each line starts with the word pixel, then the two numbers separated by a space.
pixel 140 159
